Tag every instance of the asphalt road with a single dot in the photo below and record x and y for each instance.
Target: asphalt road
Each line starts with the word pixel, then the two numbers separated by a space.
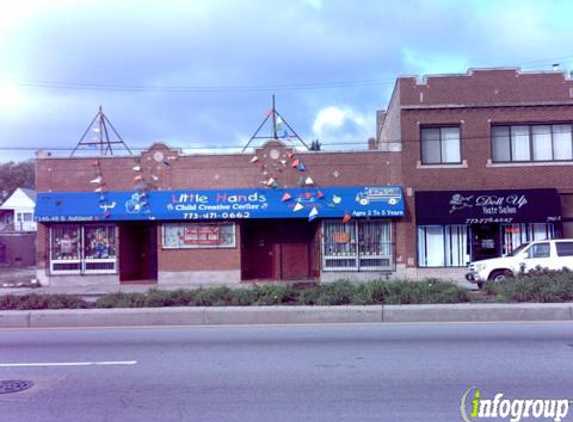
pixel 279 373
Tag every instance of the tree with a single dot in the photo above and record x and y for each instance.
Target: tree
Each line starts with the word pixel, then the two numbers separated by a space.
pixel 16 175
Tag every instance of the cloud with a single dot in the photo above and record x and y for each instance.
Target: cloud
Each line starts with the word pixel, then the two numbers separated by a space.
pixel 345 55
pixel 335 126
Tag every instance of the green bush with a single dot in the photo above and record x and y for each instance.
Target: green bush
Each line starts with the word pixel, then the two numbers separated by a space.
pixel 275 294
pixel 542 286
pixel 34 301
pixel 371 293
pixel 340 292
pixel 121 300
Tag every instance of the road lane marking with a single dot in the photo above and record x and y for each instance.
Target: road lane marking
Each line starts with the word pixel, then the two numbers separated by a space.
pixel 32 364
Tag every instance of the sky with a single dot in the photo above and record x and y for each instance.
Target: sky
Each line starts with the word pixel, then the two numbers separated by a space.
pixel 199 75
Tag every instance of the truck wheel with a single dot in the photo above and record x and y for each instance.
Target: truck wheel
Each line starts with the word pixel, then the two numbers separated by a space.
pixel 480 285
pixel 500 275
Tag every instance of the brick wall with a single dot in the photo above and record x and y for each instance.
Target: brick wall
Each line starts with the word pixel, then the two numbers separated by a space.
pixel 474 102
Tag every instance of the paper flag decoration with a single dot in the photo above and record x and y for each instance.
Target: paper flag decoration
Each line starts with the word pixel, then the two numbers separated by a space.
pixel 336 199
pixel 100 189
pixel 154 177
pixel 301 167
pixel 289 154
pixel 298 207
pixel 285 133
pixel 286 197
pixel 313 214
pixel 270 182
pixel 95 129
pixel 138 177
pixel 295 163
pixel 309 181
pixel 346 218
pixel 308 195
pixel 275 184
pixel 283 162
pixel 137 168
pixel 270 112
pixel 96 180
pixel 254 159
pixel 95 163
pixel 319 195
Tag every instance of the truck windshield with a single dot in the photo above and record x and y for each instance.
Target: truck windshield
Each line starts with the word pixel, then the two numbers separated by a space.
pixel 518 249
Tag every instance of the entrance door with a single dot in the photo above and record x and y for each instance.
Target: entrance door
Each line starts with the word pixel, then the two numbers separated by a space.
pixel 485 241
pixel 278 250
pixel 259 251
pixel 138 253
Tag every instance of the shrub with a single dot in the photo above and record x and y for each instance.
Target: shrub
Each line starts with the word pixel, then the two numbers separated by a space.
pixel 34 301
pixel 401 292
pixel 275 294
pixel 121 300
pixel 338 293
pixel 536 286
pixel 371 293
pixel 309 296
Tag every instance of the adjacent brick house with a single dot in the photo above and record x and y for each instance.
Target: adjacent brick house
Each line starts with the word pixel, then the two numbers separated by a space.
pixel 463 167
pixel 493 137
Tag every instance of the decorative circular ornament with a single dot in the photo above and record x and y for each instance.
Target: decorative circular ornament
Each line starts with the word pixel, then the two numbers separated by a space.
pixel 274 154
pixel 158 156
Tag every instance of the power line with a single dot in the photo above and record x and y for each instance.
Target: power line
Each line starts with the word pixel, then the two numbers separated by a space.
pixel 196 88
pixel 38 83
pixel 239 147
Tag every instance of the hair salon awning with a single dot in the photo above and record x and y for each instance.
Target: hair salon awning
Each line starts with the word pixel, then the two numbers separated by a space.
pixel 356 202
pixel 492 206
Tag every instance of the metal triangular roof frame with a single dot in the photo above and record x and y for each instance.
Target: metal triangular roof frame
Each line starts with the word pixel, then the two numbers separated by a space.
pixel 273 113
pixel 103 141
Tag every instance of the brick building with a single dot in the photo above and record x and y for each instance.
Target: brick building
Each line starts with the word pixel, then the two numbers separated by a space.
pixel 487 162
pixel 463 167
pixel 209 219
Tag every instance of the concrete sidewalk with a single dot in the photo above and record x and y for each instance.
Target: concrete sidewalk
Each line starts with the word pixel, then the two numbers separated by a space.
pixel 197 316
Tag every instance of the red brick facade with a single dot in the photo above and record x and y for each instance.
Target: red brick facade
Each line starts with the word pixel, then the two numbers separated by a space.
pixel 473 102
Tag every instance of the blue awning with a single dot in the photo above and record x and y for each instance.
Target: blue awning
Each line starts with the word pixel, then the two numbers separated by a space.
pixel 379 201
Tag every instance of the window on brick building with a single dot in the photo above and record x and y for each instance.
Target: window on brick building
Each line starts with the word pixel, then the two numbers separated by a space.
pixel 522 143
pixel 443 246
pixel 441 145
pixel 83 249
pixel 357 245
pixel 198 235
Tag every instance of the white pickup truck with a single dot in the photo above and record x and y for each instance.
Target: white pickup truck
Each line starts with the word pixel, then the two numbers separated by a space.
pixel 553 254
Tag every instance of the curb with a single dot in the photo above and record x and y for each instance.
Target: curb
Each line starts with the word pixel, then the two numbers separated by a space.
pixel 196 316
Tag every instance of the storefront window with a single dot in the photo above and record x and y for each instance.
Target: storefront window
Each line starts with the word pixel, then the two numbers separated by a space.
pixel 357 245
pixel 100 249
pixel 517 234
pixel 79 249
pixel 65 251
pixel 443 246
pixel 447 246
pixel 199 235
